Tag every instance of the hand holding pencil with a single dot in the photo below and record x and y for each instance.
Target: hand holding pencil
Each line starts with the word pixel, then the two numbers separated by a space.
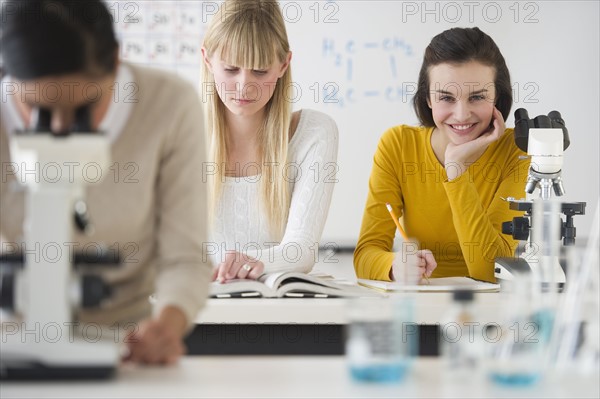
pixel 410 256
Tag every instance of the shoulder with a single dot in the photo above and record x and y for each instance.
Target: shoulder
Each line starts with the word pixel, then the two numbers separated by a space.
pixel 160 86
pixel 402 136
pixel 156 77
pixel 165 106
pixel 314 125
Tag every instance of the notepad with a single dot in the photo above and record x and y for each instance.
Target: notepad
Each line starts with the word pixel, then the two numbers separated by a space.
pixel 442 284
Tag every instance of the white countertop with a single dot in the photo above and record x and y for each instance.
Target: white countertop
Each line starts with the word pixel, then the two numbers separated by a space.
pixel 285 377
pixel 429 309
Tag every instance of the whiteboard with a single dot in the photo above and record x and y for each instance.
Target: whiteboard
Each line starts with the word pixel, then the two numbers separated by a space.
pixel 358 61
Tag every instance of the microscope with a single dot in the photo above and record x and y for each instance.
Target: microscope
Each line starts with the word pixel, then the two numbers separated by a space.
pixel 544 138
pixel 42 292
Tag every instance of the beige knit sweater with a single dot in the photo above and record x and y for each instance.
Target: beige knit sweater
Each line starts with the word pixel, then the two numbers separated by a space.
pixel 151 205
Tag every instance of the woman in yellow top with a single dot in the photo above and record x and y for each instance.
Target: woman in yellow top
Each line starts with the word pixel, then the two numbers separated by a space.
pixel 446 179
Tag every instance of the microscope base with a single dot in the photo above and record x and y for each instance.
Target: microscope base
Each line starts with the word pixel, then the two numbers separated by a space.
pixel 20 371
pixel 65 360
pixel 508 268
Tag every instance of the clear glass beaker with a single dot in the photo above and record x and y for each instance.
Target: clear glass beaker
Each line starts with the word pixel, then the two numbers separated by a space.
pixel 381 338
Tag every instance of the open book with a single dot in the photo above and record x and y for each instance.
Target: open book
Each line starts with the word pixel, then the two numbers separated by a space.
pixel 289 285
pixel 435 285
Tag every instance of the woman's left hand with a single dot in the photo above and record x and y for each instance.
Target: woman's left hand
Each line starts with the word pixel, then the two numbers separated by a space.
pixel 238 266
pixel 458 158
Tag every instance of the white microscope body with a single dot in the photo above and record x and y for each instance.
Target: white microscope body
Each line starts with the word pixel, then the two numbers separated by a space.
pixel 46 342
pixel 544 139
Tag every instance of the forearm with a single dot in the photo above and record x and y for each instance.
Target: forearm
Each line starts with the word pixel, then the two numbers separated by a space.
pixel 374 254
pixel 297 255
pixel 183 266
pixel 309 205
pixel 175 318
pixel 182 285
pixel 480 237
pixel 373 263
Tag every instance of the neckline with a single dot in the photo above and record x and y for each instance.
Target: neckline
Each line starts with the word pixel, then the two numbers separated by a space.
pixel 253 178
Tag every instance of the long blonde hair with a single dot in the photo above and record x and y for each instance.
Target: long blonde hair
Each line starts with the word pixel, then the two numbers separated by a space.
pixel 251 34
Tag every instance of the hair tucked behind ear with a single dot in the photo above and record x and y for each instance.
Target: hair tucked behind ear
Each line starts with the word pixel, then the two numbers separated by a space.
pixel 457 46
pixel 251 34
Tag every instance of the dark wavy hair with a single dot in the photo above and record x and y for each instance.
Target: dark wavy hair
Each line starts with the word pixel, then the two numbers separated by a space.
pixel 56 37
pixel 457 46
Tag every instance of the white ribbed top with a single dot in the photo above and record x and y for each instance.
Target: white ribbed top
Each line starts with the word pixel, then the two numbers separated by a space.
pixel 241 223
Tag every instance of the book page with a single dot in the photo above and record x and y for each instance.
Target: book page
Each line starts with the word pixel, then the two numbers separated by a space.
pixel 275 280
pixel 271 280
pixel 240 288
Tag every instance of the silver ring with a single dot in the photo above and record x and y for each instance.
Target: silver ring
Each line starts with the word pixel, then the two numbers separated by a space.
pixel 247 267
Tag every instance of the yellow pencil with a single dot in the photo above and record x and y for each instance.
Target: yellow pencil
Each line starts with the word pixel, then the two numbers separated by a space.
pixel 398 225
pixel 400 229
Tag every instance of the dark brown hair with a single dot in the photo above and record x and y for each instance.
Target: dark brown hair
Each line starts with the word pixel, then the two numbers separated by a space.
pixel 457 46
pixel 55 37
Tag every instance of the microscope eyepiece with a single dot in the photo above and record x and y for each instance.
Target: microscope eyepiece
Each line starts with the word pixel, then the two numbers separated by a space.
pixel 521 114
pixel 41 120
pixel 558 122
pixel 521 128
pixel 553 120
pixel 542 122
pixel 83 119
pixel 556 117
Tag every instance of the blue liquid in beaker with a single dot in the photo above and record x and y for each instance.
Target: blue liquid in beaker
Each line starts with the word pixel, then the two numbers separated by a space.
pixel 517 379
pixel 380 373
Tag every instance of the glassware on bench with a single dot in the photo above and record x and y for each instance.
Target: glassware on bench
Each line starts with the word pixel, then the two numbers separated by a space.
pixel 381 339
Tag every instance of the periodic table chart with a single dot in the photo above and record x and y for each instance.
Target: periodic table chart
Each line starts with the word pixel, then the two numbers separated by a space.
pixel 168 35
pixel 162 34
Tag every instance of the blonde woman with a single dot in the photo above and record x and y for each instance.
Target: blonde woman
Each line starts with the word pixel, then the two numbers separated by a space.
pixel 273 170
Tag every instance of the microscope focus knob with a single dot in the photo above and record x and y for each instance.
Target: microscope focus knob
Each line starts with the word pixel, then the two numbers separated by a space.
pixel 518 228
pixel 7 291
pixel 94 290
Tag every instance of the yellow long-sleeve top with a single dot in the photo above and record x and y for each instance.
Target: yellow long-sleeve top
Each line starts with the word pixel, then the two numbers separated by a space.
pixel 459 221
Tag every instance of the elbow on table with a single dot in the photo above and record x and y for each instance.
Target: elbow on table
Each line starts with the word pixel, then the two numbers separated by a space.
pixel 363 268
pixel 304 265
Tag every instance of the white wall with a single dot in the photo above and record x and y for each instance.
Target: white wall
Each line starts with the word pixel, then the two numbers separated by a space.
pixel 359 60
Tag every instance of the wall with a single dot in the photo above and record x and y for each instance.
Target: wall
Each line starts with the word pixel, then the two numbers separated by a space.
pixel 358 61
